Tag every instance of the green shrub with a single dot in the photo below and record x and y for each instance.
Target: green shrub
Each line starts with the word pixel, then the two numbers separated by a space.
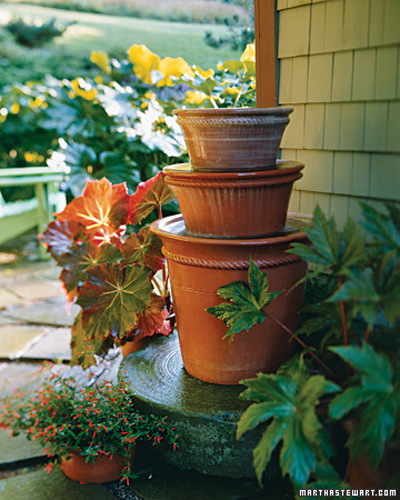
pixel 35 33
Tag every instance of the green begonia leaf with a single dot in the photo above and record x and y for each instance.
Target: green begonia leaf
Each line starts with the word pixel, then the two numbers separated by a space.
pixel 246 302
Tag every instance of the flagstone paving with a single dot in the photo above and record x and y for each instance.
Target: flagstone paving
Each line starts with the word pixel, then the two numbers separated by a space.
pixel 52 312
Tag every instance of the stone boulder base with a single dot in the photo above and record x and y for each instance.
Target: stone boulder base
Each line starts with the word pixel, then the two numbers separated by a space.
pixel 205 415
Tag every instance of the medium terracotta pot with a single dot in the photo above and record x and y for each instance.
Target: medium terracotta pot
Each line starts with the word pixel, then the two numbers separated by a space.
pixel 103 470
pixel 198 267
pixel 233 204
pixel 233 138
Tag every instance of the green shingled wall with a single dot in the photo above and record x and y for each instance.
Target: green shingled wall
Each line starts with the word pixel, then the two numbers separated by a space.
pixel 340 71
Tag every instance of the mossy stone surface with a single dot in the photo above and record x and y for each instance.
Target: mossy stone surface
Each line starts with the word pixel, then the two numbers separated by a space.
pixel 205 415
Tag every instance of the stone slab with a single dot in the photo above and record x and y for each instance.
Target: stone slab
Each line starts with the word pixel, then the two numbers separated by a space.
pixel 52 313
pixel 34 289
pixel 54 345
pixel 6 320
pixel 17 448
pixel 38 485
pixel 24 376
pixel 20 271
pixel 16 339
pixel 205 415
pixel 8 298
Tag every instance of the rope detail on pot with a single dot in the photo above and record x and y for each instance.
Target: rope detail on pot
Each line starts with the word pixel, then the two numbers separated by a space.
pixel 268 121
pixel 234 184
pixel 231 264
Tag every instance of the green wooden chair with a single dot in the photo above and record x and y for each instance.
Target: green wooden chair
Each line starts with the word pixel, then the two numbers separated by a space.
pixel 20 216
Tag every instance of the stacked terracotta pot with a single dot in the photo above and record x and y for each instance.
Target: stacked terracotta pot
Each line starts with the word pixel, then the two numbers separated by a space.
pixel 234 197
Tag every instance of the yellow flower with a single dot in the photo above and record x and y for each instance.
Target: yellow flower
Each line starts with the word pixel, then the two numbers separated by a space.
pixel 31 157
pixel 195 97
pixel 101 59
pixel 176 67
pixel 144 61
pixel 209 73
pixel 98 79
pixel 83 89
pixel 36 103
pixel 249 53
pixel 231 90
pixel 14 108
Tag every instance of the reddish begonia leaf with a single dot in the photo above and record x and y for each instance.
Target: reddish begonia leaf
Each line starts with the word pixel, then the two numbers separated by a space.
pixel 112 297
pixel 144 247
pixel 104 237
pixel 61 235
pixel 149 195
pixel 153 320
pixel 81 257
pixel 101 207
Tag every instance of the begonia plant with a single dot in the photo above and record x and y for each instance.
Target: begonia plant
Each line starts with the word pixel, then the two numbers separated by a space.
pixel 112 266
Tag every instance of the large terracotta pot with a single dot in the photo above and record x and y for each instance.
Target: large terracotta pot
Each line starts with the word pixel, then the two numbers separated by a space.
pixel 233 138
pixel 254 204
pixel 198 267
pixel 103 470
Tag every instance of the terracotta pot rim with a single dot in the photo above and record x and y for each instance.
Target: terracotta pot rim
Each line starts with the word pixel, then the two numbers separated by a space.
pixel 283 168
pixel 279 110
pixel 173 227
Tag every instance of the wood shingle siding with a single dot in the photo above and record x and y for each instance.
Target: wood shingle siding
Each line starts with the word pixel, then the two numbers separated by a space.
pixel 339 69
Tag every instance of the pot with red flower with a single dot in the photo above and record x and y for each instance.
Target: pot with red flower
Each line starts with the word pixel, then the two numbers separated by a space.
pixel 91 431
pixel 112 266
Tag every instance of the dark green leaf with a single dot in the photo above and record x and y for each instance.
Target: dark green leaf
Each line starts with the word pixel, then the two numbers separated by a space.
pixel 335 253
pixel 267 444
pixel 385 228
pixel 291 403
pixel 376 292
pixel 377 400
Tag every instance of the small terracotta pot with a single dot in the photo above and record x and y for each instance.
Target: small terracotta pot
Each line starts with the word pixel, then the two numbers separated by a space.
pixel 102 470
pixel 198 267
pixel 234 204
pixel 233 138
